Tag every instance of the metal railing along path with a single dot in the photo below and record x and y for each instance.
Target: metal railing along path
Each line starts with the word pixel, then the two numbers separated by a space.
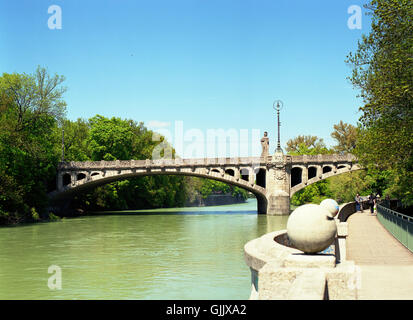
pixel 399 225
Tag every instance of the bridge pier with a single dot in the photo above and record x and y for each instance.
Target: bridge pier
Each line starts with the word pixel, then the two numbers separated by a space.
pixel 278 203
pixel 262 204
pixel 278 185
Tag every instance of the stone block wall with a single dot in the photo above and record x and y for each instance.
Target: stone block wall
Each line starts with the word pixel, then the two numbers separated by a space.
pixel 281 272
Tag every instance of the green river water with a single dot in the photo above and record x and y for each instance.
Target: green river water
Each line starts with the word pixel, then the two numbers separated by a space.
pixel 187 253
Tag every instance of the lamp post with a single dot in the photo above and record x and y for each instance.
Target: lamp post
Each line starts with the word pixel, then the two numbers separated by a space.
pixel 63 144
pixel 277 106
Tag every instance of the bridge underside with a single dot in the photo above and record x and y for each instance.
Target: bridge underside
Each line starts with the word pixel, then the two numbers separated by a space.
pixel 67 192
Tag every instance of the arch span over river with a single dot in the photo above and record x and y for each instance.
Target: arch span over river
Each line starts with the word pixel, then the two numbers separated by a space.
pixel 273 179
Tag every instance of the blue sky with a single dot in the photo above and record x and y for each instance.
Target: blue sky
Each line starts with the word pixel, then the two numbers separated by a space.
pixel 209 63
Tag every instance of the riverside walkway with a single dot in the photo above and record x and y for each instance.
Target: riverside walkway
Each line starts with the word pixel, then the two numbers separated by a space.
pixel 386 265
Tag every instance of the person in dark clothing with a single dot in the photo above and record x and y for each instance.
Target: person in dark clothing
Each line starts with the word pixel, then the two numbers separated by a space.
pixel 372 202
pixel 358 203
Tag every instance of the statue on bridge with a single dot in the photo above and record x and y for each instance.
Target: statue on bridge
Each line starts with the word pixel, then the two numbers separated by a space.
pixel 265 144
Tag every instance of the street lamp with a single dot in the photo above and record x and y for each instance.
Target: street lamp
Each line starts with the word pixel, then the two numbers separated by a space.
pixel 277 106
pixel 63 144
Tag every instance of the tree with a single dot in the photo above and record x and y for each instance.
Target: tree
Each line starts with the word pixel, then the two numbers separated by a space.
pixel 30 107
pixel 346 136
pixel 110 139
pixel 76 134
pixel 345 186
pixel 383 72
pixel 29 98
pixel 306 145
pixel 113 138
pixel 310 145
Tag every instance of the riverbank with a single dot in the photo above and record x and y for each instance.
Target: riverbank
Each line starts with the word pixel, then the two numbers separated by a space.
pixel 215 200
pixel 210 201
pixel 249 207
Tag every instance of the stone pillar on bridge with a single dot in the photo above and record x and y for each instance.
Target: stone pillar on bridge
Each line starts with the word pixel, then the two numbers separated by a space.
pixel 304 175
pixel 278 185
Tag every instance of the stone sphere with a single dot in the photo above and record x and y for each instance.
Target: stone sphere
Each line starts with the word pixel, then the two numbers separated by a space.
pixel 311 228
pixel 331 205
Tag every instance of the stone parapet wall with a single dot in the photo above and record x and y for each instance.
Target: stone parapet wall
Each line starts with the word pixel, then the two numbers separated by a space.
pixel 302 159
pixel 321 158
pixel 281 272
pixel 347 209
pixel 75 165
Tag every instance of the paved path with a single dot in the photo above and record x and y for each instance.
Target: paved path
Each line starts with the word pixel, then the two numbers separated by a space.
pixel 386 265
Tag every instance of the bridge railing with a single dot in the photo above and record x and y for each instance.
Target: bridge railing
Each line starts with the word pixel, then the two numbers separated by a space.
pixel 399 225
pixel 160 162
pixel 349 208
pixel 323 158
pixel 254 161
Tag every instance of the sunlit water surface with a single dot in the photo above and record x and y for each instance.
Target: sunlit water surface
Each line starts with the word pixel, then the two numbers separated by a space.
pixel 187 253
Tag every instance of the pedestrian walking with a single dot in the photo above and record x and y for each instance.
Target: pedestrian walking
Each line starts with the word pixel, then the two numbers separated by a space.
pixel 372 202
pixel 377 200
pixel 358 202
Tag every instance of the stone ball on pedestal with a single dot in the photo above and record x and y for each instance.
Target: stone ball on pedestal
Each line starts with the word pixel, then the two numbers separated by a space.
pixel 311 228
pixel 331 205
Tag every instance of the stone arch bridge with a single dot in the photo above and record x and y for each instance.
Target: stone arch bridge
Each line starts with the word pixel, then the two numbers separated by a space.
pixel 272 179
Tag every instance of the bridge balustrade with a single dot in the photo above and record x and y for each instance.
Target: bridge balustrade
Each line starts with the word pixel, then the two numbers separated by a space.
pixel 399 225
pixel 349 208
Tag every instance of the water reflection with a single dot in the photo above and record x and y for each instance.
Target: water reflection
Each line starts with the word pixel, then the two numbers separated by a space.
pixel 275 223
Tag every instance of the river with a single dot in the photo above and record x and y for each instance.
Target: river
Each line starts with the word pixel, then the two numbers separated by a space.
pixel 186 253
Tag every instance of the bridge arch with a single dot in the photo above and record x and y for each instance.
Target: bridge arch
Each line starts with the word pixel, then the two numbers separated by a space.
pixel 312 172
pixel 297 175
pixel 327 168
pixel 66 178
pixel 90 181
pixel 328 174
pixel 261 176
pixel 81 175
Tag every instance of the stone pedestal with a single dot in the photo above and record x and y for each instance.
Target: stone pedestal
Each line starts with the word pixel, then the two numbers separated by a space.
pixel 281 272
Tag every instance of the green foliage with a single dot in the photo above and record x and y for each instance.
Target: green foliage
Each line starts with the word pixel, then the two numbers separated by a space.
pixel 76 135
pixel 383 72
pixel 345 186
pixel 34 214
pixel 314 193
pixel 346 136
pixel 30 108
pixel 31 122
pixel 214 187
pixel 102 138
pixel 310 145
pixel 239 193
pixel 209 187
pixel 53 217
pixel 110 139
